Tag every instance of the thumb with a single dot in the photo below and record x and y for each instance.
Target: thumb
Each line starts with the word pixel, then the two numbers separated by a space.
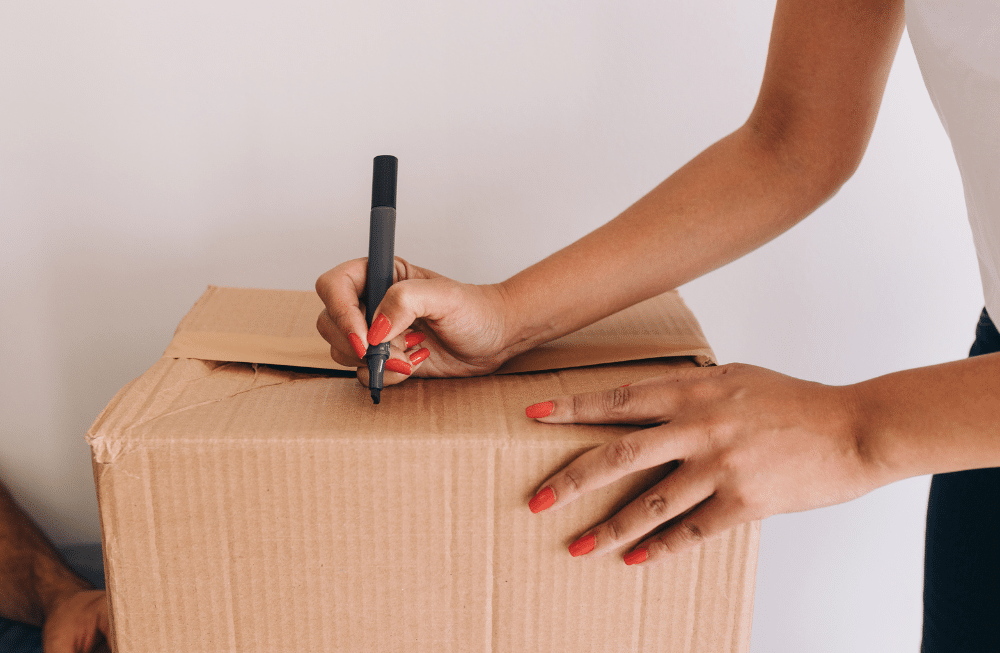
pixel 432 300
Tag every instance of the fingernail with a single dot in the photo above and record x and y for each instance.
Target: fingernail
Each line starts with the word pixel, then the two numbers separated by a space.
pixel 625 385
pixel 379 329
pixel 583 546
pixel 396 365
pixel 635 557
pixel 544 499
pixel 358 344
pixel 414 339
pixel 420 355
pixel 543 409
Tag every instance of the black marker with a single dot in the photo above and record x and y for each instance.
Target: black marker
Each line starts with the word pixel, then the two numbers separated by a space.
pixel 381 239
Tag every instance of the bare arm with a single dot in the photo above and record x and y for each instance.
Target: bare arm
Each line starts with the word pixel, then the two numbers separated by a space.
pixel 37 588
pixel 931 420
pixel 32 575
pixel 826 71
pixel 750 442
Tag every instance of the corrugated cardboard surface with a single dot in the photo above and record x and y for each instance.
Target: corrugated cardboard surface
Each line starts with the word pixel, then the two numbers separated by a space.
pixel 278 327
pixel 250 508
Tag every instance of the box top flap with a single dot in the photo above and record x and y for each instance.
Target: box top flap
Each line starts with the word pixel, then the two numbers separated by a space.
pixel 278 327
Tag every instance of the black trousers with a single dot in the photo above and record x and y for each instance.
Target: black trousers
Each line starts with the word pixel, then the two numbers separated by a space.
pixel 962 553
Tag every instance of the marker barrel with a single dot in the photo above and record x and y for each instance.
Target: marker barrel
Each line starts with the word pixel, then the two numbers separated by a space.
pixel 381 259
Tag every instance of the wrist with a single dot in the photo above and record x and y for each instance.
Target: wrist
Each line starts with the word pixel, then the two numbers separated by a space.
pixel 868 430
pixel 520 331
pixel 55 582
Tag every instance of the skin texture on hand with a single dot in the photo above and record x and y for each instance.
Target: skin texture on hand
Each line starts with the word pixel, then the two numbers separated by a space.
pixel 436 327
pixel 78 623
pixel 746 443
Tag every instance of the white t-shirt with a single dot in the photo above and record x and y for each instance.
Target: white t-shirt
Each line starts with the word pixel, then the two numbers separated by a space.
pixel 957 43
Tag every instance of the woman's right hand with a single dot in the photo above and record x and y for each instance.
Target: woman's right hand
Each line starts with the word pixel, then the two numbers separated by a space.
pixel 436 327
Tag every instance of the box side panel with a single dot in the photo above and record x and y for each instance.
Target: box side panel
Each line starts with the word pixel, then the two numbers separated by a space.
pixel 699 601
pixel 546 600
pixel 382 546
pixel 702 601
pixel 304 547
pixel 129 552
pixel 265 510
pixel 105 502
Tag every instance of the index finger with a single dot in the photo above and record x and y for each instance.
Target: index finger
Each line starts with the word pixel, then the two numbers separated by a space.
pixel 629 404
pixel 341 289
pixel 609 462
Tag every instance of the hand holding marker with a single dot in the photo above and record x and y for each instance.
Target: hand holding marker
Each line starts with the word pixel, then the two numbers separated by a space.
pixel 381 253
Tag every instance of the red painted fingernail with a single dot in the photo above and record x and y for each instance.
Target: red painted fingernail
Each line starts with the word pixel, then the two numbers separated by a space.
pixel 635 557
pixel 625 385
pixel 358 344
pixel 379 329
pixel 420 355
pixel 414 339
pixel 583 546
pixel 543 409
pixel 396 365
pixel 544 499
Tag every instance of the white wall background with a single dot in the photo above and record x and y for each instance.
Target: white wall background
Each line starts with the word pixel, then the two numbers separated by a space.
pixel 150 149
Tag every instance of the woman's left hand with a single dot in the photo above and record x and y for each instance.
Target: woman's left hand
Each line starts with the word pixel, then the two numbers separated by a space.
pixel 749 442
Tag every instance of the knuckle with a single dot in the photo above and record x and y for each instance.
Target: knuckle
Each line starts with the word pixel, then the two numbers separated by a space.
pixel 394 296
pixel 682 536
pixel 654 504
pixel 657 545
pixel 735 367
pixel 401 268
pixel 702 390
pixel 622 453
pixel 327 281
pixel 621 397
pixel 397 305
pixel 572 479
pixel 689 532
pixel 718 433
pixel 406 298
pixel 617 402
pixel 340 316
pixel 730 462
pixel 614 530
pixel 747 503
pixel 322 282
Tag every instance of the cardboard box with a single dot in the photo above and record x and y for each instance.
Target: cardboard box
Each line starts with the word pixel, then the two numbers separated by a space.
pixel 250 502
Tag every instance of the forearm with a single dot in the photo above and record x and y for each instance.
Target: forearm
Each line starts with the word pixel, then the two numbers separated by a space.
pixel 826 71
pixel 936 419
pixel 729 200
pixel 32 574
